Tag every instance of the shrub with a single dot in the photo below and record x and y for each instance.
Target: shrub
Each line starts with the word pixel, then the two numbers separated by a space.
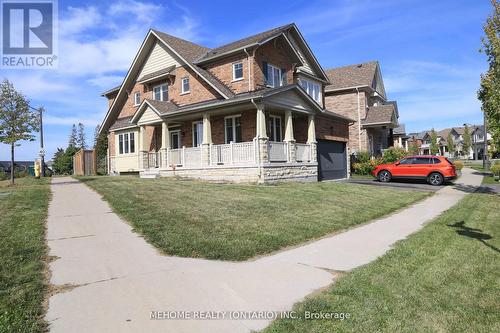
pixel 363 157
pixel 3 175
pixel 495 169
pixel 393 154
pixel 365 168
pixel 458 165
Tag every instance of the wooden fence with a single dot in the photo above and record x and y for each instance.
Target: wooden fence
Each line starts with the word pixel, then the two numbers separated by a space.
pixel 84 163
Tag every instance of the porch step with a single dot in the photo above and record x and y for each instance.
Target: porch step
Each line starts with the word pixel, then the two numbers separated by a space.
pixel 149 174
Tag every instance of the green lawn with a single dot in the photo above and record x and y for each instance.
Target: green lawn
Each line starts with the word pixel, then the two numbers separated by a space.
pixel 444 278
pixel 488 177
pixel 23 254
pixel 237 222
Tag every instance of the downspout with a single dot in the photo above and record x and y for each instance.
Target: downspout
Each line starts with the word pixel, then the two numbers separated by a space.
pixel 249 71
pixel 359 121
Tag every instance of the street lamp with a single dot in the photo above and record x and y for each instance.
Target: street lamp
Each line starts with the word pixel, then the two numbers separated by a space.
pixel 42 150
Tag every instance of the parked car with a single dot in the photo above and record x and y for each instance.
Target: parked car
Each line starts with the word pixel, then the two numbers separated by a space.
pixel 435 169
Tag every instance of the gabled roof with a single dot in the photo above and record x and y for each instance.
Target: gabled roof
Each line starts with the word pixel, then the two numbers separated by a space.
pixel 110 91
pixel 121 123
pixel 400 130
pixel 380 114
pixel 359 75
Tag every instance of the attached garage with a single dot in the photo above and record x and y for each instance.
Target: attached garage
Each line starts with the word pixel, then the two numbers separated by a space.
pixel 332 160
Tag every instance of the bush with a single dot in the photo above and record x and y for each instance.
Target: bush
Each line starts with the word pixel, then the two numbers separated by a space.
pixel 365 168
pixel 362 157
pixel 3 175
pixel 458 165
pixel 393 154
pixel 495 169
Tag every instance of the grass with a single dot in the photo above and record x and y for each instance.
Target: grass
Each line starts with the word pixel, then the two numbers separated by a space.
pixel 356 176
pixel 441 279
pixel 22 254
pixel 488 177
pixel 237 222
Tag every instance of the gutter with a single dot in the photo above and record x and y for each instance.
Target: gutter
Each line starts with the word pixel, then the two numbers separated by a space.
pixel 359 121
pixel 249 71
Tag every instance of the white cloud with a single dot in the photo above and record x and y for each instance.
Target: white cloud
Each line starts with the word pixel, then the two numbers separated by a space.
pixel 76 20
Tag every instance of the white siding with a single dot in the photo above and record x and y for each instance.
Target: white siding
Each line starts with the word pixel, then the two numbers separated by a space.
pixel 290 99
pixel 149 116
pixel 159 58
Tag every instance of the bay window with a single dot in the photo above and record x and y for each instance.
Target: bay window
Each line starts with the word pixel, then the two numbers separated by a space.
pixel 312 89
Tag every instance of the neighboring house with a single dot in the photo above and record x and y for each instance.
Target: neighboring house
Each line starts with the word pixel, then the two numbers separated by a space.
pixel 18 166
pixel 400 137
pixel 251 110
pixel 423 140
pixel 358 92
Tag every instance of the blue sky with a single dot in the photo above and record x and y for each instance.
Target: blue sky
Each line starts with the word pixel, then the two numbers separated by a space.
pixel 428 51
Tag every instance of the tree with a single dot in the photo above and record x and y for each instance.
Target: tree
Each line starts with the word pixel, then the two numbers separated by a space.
pixel 434 147
pixel 450 144
pixel 73 137
pixel 489 92
pixel 81 141
pixel 101 150
pixel 413 148
pixel 467 141
pixel 17 120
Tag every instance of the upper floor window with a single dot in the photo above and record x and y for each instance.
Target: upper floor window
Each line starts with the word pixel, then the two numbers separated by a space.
pixel 274 128
pixel 137 98
pixel 275 76
pixel 311 88
pixel 237 71
pixel 160 93
pixel 232 126
pixel 126 143
pixel 185 85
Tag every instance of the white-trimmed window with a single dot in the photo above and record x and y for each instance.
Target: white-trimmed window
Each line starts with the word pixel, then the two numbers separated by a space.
pixel 274 76
pixel 274 128
pixel 126 143
pixel 185 85
pixel 197 133
pixel 160 92
pixel 175 139
pixel 137 98
pixel 237 71
pixel 312 89
pixel 232 129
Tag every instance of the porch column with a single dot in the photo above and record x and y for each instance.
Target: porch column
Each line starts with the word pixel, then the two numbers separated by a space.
pixel 311 138
pixel 143 148
pixel 261 135
pixel 289 137
pixel 165 145
pixel 206 140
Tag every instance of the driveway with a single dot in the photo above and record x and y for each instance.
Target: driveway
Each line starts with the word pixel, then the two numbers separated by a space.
pixel 399 184
pixel 113 278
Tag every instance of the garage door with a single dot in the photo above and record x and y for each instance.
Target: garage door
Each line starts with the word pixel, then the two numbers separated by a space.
pixel 332 162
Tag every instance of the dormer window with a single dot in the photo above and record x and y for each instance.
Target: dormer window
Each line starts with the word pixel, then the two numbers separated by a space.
pixel 185 85
pixel 237 71
pixel 137 98
pixel 160 92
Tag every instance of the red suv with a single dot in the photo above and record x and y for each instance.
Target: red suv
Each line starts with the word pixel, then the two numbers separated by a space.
pixel 434 169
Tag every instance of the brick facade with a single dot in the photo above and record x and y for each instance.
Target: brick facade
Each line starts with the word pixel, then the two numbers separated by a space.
pixel 223 70
pixel 331 129
pixel 346 104
pixel 274 54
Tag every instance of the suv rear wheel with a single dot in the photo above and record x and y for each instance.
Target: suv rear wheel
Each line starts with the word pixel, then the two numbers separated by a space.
pixel 435 179
pixel 384 176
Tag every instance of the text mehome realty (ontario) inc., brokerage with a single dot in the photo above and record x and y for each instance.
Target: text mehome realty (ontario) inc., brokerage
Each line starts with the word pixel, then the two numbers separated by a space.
pixel 247 315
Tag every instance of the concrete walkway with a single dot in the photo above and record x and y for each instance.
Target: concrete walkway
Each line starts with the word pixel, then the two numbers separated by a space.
pixel 115 279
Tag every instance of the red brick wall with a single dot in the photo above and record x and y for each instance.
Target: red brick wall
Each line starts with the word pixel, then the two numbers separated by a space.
pixel 199 90
pixel 300 126
pixel 111 143
pixel 274 55
pixel 331 129
pixel 223 70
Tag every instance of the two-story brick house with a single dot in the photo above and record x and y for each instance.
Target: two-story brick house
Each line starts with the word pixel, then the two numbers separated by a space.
pixel 358 92
pixel 251 110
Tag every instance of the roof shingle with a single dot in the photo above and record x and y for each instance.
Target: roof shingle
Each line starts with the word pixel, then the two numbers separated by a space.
pixel 351 76
pixel 379 114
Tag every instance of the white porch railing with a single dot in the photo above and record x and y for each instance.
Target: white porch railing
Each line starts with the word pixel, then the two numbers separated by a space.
pixel 278 151
pixel 240 153
pixel 303 152
pixel 153 159
pixel 174 157
pixel 191 157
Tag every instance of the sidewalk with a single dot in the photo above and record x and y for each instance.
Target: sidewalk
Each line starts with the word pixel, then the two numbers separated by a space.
pixel 119 279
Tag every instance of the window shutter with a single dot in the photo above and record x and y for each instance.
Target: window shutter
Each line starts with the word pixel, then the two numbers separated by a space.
pixel 283 77
pixel 264 69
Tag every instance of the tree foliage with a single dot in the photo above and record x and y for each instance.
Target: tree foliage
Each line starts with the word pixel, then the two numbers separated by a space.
pixel 17 120
pixel 434 147
pixel 489 92
pixel 81 141
pixel 73 137
pixel 467 141
pixel 449 143
pixel 413 148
